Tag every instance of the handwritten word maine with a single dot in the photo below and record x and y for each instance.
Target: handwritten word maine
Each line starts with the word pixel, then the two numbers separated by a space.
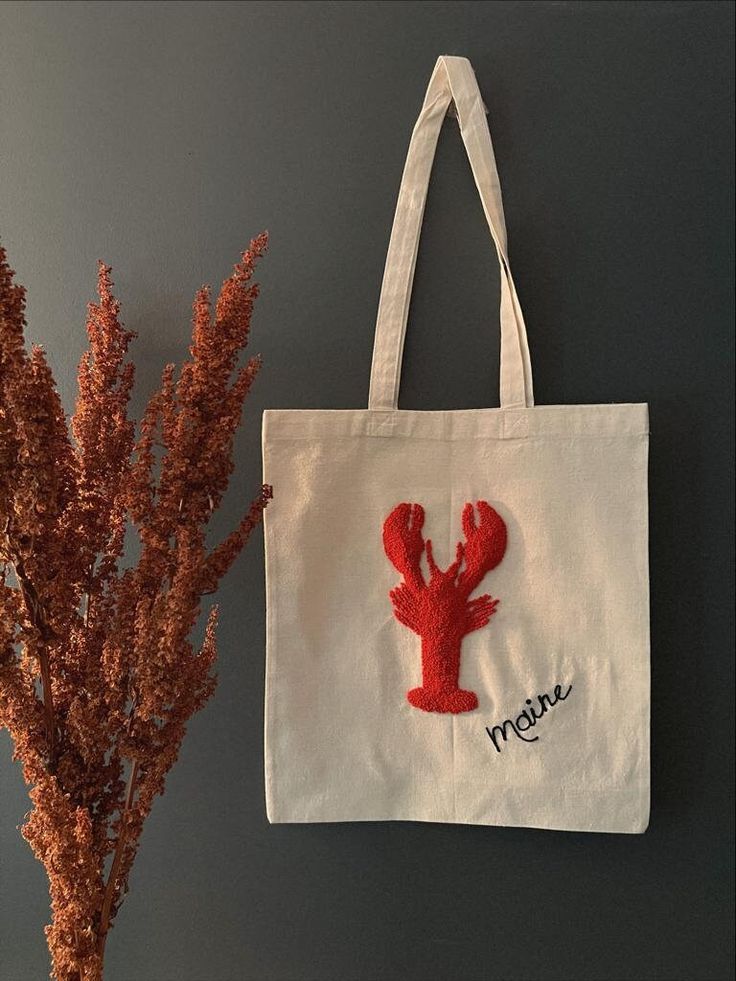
pixel 527 718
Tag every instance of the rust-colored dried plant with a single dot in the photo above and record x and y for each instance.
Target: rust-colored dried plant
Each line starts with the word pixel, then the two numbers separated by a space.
pixel 98 676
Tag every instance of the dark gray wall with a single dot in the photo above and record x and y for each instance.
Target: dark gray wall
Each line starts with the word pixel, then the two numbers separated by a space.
pixel 161 136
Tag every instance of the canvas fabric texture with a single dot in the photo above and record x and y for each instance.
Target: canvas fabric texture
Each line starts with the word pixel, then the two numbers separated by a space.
pixel 457 601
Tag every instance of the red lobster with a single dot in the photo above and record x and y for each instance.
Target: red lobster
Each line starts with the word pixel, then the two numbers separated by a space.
pixel 440 610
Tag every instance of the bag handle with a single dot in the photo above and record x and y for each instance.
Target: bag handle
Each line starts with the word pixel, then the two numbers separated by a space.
pixel 453 81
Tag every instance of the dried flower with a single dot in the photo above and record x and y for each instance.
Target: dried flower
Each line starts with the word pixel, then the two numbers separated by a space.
pixel 98 677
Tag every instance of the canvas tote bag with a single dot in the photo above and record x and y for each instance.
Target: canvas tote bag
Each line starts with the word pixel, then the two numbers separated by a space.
pixel 457 601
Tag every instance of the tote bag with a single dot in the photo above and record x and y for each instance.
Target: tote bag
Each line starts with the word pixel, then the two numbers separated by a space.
pixel 457 601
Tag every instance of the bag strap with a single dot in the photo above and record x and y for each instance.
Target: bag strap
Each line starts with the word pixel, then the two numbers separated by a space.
pixel 453 80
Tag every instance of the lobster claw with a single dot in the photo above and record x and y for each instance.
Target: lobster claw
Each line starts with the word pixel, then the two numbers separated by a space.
pixel 485 543
pixel 403 541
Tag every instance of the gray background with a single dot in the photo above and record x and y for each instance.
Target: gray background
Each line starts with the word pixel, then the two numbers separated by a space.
pixel 160 137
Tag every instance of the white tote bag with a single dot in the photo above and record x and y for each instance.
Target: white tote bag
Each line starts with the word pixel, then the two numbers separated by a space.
pixel 457 601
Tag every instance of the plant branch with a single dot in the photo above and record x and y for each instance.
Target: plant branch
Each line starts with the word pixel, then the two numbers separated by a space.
pixel 48 705
pixel 87 644
pixel 110 886
pixel 37 616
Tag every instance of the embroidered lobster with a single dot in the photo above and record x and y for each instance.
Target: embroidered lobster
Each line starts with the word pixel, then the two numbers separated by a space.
pixel 440 610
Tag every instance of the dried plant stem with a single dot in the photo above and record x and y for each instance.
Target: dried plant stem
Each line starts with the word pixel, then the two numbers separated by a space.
pixel 82 637
pixel 110 887
pixel 82 971
pixel 48 703
pixel 35 614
